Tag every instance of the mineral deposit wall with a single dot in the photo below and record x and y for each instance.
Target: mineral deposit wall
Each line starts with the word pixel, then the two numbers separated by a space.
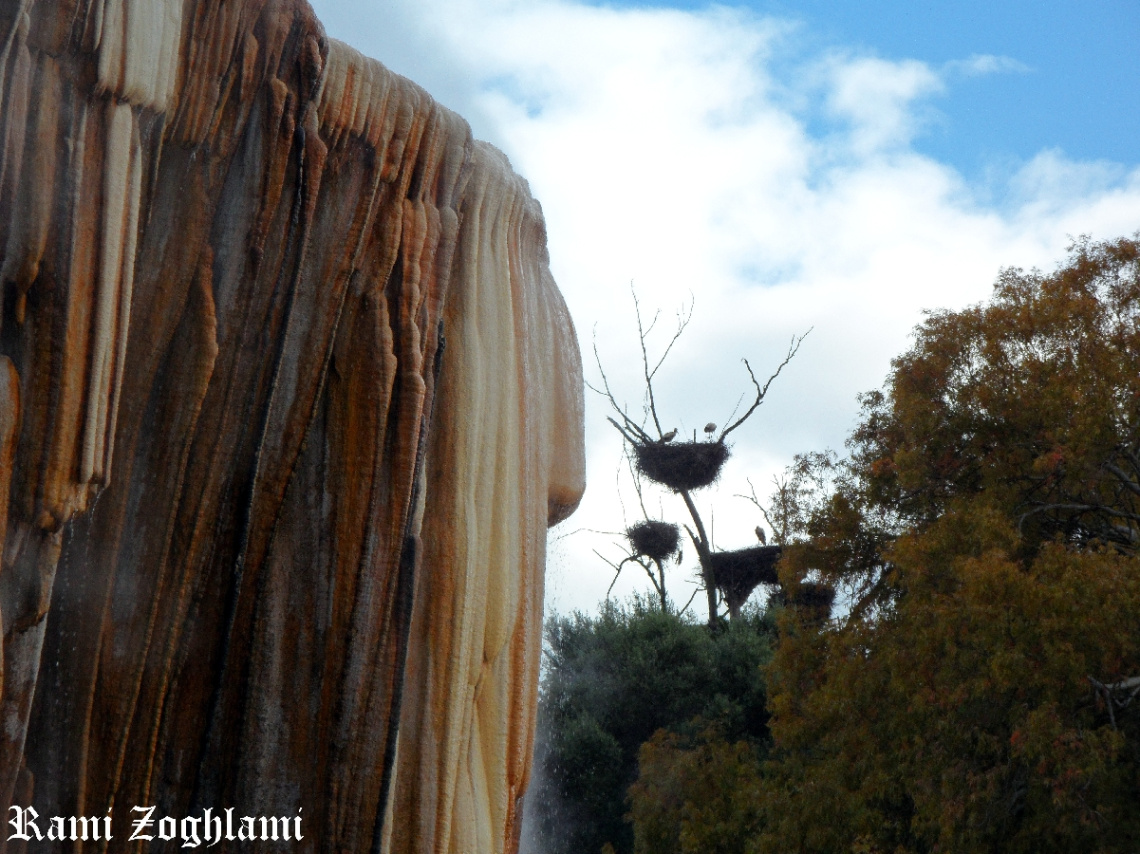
pixel 288 398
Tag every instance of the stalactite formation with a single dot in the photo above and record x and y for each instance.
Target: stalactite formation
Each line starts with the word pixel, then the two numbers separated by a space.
pixel 288 398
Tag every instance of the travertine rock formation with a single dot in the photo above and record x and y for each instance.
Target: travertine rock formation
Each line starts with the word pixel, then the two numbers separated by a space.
pixel 287 400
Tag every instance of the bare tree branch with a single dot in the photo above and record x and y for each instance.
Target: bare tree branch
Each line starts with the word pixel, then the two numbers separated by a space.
pixel 618 567
pixel 635 476
pixel 779 532
pixel 683 319
pixel 735 409
pixel 1133 457
pixel 631 427
pixel 696 590
pixel 1109 692
pixel 761 391
pixel 647 565
pixel 1123 477
pixel 1100 508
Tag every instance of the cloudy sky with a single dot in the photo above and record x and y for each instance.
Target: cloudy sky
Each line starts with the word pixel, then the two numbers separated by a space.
pixel 784 166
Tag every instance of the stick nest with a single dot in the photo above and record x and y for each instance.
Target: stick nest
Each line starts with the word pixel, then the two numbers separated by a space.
pixel 681 466
pixel 737 573
pixel 655 540
pixel 815 599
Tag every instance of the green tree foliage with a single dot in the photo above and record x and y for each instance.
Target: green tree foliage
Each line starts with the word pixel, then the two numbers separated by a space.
pixel 695 794
pixel 610 682
pixel 984 533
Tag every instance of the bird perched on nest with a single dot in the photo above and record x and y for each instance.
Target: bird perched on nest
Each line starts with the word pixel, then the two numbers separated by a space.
pixel 668 437
pixel 760 536
pixel 710 427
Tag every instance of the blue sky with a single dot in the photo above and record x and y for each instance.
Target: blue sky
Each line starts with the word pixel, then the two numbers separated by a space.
pixel 1078 91
pixel 784 166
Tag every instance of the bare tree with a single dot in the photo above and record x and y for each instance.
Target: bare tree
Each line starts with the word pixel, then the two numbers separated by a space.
pixel 649 544
pixel 681 466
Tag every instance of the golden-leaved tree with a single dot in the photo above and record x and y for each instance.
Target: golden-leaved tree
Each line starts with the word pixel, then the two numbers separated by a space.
pixel 977 692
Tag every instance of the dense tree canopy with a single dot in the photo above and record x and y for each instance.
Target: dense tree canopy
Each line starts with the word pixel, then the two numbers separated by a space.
pixel 1030 402
pixel 976 694
pixel 696 793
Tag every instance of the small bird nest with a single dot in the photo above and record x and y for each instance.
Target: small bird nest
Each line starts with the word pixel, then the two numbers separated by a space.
pixel 655 540
pixel 681 466
pixel 737 573
pixel 815 599
pixel 812 600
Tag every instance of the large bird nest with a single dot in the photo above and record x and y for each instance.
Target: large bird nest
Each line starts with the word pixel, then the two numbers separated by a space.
pixel 737 573
pixel 681 466
pixel 655 540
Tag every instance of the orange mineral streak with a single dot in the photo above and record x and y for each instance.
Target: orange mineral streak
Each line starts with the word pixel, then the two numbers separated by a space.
pixel 288 399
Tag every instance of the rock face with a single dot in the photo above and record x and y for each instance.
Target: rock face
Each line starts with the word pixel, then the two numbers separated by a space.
pixel 288 398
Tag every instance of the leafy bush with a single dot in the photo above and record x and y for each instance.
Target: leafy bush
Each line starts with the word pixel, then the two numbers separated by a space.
pixel 696 794
pixel 610 682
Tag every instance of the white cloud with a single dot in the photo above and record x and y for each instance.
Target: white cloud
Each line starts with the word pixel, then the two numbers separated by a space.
pixel 877 97
pixel 981 64
pixel 668 148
